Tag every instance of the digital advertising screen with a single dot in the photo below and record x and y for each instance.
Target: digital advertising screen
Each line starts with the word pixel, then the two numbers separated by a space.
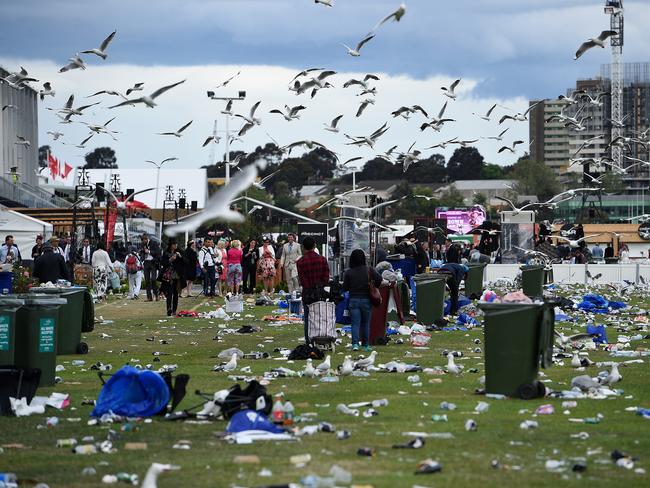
pixel 461 221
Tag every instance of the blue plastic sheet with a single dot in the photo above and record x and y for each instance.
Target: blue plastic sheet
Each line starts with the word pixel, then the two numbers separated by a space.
pixel 463 319
pixel 594 303
pixel 599 330
pixel 132 393
pixel 251 420
pixel 462 301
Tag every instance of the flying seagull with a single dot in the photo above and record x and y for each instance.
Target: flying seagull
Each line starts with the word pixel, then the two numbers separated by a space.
pixel 518 117
pixel 101 52
pixel 47 90
pixel 75 63
pixel 218 206
pixel 510 148
pixel 450 91
pixel 332 126
pixel 397 16
pixel 135 87
pixel 369 210
pixel 576 243
pixel 594 41
pixel 327 3
pixel 363 105
pixel 487 114
pixel 500 136
pixel 357 51
pixel 148 100
pixel 291 112
pixel 229 80
pixel 55 135
pixel 21 141
pixel 177 133
pixel 361 222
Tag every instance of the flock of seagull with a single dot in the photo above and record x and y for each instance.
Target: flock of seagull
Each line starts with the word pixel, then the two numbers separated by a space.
pixel 308 83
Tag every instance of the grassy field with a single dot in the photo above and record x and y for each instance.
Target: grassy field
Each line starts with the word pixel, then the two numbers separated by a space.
pixel 465 458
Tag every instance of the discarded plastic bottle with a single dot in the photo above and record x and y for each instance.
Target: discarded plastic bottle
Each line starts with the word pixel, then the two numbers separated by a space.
pixel 380 403
pixel 447 406
pixel 482 407
pixel 78 362
pixel 85 449
pixel 288 413
pixel 277 412
pixel 439 418
pixel 128 478
pixel 592 420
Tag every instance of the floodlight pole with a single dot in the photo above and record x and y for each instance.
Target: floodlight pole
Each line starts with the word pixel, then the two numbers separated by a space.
pixel 241 96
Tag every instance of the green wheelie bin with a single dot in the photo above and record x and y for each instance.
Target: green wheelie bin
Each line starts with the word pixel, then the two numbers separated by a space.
pixel 532 280
pixel 429 297
pixel 8 308
pixel 518 338
pixel 36 324
pixel 68 334
pixel 474 281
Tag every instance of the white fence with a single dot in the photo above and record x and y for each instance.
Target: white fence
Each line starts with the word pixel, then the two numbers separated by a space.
pixel 577 273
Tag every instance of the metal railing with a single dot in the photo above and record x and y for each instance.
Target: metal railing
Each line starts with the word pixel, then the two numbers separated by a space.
pixel 29 196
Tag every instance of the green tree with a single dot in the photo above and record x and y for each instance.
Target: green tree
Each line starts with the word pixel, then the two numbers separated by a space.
pixel 613 183
pixel 535 178
pixel 283 196
pixel 492 172
pixel 465 164
pixel 452 198
pixel 101 158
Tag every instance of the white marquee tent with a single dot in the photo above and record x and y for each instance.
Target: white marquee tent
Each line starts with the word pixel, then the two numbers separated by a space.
pixel 24 229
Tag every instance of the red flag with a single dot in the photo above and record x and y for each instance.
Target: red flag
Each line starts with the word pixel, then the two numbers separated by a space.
pixel 65 170
pixel 53 164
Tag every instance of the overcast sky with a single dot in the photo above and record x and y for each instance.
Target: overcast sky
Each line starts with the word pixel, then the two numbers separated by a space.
pixel 506 52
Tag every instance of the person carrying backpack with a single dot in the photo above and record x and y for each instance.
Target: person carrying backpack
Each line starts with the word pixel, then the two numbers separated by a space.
pixel 134 269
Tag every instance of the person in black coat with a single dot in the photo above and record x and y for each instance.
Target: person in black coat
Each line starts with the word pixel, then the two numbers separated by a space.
pixel 422 259
pixel 50 266
pixel 456 273
pixel 191 258
pixel 149 252
pixel 452 255
pixel 171 275
pixel 249 266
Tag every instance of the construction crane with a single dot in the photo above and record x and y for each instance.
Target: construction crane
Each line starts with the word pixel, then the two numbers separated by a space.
pixel 614 8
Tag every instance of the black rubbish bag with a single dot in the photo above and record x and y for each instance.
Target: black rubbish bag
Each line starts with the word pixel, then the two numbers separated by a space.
pixel 253 397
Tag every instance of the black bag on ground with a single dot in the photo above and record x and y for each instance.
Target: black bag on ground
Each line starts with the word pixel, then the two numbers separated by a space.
pixel 17 383
pixel 246 399
pixel 176 392
pixel 304 352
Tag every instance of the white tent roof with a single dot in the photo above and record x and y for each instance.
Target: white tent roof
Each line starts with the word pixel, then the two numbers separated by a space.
pixel 24 229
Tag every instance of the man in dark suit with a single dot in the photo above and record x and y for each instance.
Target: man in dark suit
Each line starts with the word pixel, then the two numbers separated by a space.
pixel 150 253
pixel 249 266
pixel 50 266
pixel 85 253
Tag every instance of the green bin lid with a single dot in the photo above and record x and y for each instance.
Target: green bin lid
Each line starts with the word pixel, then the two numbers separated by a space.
pixel 8 302
pixel 530 267
pixel 492 306
pixel 42 300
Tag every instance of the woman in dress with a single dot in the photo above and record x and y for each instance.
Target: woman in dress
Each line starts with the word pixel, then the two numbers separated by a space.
pixel 172 273
pixel 223 276
pixel 267 265
pixel 102 266
pixel 624 254
pixel 191 261
pixel 234 266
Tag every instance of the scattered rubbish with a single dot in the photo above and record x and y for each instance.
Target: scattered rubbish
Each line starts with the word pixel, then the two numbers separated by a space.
pixel 300 460
pixel 470 425
pixel 428 466
pixel 416 443
pixel 246 459
pixel 365 451
pixel 545 409
pixel 528 424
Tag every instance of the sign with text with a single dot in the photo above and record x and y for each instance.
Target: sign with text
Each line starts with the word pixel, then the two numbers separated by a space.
pixel 46 335
pixel 461 221
pixel 317 231
pixel 4 332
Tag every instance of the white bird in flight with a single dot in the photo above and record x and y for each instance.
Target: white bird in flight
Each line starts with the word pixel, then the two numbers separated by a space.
pixel 121 204
pixel 47 90
pixel 218 206
pixel 148 100
pixel 356 52
pixel 178 133
pixel 101 51
pixel 332 125
pixel 397 16
pixel 75 63
pixel 594 41
pixel 450 91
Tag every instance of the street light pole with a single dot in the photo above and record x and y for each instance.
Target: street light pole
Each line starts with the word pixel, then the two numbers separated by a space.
pixel 240 96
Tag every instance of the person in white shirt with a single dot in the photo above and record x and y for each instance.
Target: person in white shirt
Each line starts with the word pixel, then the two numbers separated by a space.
pixel 134 273
pixel 102 266
pixel 208 260
pixel 55 246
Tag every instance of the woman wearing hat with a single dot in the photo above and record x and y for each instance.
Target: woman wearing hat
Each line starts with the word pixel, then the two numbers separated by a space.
pixel 267 265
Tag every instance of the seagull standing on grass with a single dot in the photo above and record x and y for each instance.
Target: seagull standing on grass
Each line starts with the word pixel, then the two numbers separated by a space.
pixel 452 367
pixel 309 371
pixel 325 366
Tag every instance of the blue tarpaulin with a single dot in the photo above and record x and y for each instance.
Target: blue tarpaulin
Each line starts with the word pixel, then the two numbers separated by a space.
pixel 601 337
pixel 132 393
pixel 463 319
pixel 594 303
pixel 462 301
pixel 251 420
